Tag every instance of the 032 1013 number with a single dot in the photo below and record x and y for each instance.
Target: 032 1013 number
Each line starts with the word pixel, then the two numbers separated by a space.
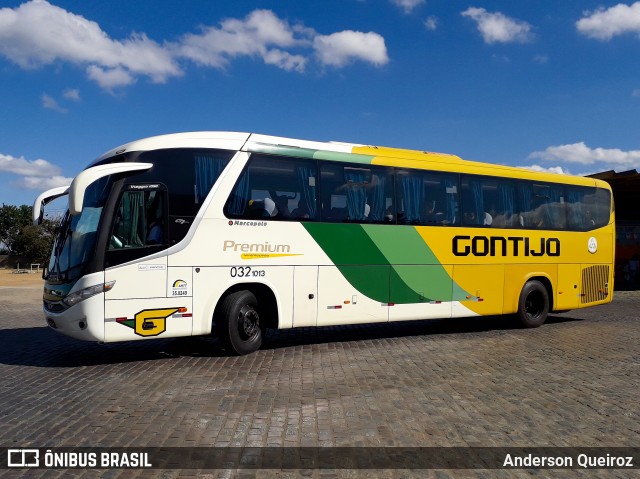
pixel 245 271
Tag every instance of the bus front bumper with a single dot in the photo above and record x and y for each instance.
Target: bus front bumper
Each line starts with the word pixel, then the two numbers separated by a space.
pixel 84 321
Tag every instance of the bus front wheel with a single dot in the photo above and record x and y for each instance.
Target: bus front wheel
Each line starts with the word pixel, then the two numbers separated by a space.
pixel 240 328
pixel 533 305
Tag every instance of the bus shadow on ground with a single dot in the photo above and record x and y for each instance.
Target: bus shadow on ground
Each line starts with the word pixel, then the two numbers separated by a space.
pixel 400 329
pixel 42 347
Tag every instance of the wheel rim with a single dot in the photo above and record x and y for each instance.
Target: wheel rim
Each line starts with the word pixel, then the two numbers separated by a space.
pixel 248 322
pixel 534 305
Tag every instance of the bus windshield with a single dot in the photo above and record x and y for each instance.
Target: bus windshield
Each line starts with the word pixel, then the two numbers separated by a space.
pixel 75 241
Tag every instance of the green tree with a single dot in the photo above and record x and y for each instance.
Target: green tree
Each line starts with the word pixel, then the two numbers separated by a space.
pixel 12 220
pixel 34 242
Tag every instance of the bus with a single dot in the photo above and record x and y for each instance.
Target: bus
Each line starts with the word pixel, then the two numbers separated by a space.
pixel 227 234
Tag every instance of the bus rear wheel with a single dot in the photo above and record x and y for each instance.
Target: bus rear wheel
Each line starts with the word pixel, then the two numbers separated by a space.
pixel 533 305
pixel 240 328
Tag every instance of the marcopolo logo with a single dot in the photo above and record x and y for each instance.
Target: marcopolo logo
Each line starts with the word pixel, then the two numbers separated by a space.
pixel 501 246
pixel 247 223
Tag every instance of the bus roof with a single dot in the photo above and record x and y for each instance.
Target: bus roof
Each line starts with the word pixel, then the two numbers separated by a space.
pixel 339 151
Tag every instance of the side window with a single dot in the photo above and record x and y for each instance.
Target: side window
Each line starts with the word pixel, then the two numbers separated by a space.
pixel 275 188
pixel 426 198
pixel 489 202
pixel 541 206
pixel 357 193
pixel 600 203
pixel 140 219
pixel 587 208
pixel 188 174
pixel 476 201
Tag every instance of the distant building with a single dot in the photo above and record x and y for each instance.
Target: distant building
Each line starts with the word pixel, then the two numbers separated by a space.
pixel 626 195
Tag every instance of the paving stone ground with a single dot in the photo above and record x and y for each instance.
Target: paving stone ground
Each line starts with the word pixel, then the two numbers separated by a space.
pixel 465 382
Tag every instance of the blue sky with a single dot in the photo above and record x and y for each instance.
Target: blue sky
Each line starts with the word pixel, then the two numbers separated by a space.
pixel 544 84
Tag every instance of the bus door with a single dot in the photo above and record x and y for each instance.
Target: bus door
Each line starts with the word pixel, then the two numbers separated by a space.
pixel 148 299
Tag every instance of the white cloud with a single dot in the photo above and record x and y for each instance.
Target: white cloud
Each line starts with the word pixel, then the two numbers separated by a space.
pixel 604 24
pixel 71 94
pixel 431 23
pixel 260 34
pixel 551 169
pixel 285 60
pixel 498 28
pixel 339 49
pixel 21 166
pixel 42 184
pixel 580 153
pixel 36 174
pixel 110 78
pixel 37 33
pixel 407 5
pixel 51 104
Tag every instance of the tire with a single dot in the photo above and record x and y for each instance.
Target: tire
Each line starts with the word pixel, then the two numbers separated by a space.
pixel 240 328
pixel 533 305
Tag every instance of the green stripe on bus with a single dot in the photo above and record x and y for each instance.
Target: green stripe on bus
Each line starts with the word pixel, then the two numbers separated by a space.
pixel 386 263
pixel 347 157
pixel 355 255
pixel 417 274
pixel 309 153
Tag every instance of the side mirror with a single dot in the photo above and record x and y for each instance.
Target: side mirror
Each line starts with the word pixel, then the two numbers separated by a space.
pixel 84 179
pixel 43 199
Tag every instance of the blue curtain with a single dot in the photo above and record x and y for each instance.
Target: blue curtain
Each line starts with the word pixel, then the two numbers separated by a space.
pixel 576 211
pixel 240 197
pixel 378 201
pixel 208 169
pixel 505 199
pixel 356 194
pixel 555 214
pixel 413 194
pixel 308 191
pixel 450 205
pixel 478 208
pixel 525 198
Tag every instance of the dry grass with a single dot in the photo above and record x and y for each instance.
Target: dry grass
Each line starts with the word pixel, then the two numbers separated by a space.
pixel 8 277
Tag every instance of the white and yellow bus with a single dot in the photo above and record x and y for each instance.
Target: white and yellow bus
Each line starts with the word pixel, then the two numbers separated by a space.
pixel 231 233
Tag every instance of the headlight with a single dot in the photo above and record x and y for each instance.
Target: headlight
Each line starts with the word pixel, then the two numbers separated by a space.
pixel 79 296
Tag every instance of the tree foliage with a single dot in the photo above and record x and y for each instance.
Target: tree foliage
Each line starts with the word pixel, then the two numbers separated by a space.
pixel 21 238
pixel 12 220
pixel 34 242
